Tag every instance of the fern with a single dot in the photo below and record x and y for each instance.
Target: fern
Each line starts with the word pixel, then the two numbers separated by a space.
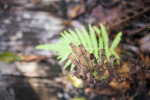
pixel 88 40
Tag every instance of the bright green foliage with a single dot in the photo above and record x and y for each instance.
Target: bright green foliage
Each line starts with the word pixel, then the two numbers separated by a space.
pixel 78 98
pixel 106 41
pixel 94 41
pixel 9 57
pixel 88 40
pixel 116 41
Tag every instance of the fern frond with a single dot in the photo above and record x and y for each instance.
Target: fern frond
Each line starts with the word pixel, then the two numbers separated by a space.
pixel 100 45
pixel 97 30
pixel 114 53
pixel 116 41
pixel 88 40
pixel 64 58
pixel 67 63
pixel 47 47
pixel 76 38
pixel 100 40
pixel 106 41
pixel 72 67
pixel 94 41
pixel 80 35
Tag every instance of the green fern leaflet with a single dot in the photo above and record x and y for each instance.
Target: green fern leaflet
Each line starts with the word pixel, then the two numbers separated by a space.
pixel 88 40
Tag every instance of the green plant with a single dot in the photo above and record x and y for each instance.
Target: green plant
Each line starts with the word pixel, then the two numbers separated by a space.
pixel 88 40
pixel 8 57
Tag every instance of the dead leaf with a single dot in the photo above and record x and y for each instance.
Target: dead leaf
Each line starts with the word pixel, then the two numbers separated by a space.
pixel 101 92
pixel 120 86
pixel 33 57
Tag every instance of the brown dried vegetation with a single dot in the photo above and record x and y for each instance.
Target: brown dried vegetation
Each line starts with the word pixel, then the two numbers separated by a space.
pixel 120 77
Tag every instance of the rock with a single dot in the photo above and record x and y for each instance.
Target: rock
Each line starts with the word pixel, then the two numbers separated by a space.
pixel 8 69
pixel 23 30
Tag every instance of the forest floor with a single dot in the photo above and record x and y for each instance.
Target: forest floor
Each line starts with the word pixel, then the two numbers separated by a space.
pixel 37 75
